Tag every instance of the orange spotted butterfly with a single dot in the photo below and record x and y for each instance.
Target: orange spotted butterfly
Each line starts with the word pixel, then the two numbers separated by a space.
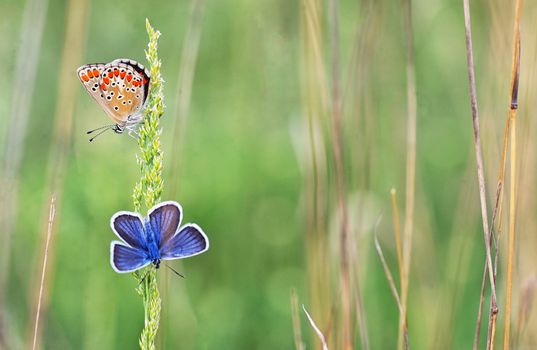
pixel 120 88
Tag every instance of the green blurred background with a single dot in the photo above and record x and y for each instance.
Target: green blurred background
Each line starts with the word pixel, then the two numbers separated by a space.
pixel 238 161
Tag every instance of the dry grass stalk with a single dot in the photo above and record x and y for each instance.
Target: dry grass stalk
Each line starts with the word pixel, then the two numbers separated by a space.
pixel 492 319
pixel 499 194
pixel 388 274
pixel 410 167
pixel 337 148
pixel 403 330
pixel 315 105
pixel 44 269
pixel 482 189
pixel 314 326
pixel 515 72
pixel 496 226
pixel 397 233
pixel 477 142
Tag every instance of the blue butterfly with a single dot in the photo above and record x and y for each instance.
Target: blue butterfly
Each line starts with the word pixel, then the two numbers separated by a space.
pixel 154 238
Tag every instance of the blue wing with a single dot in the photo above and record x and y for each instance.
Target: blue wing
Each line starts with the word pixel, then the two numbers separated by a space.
pixel 127 259
pixel 164 220
pixel 189 241
pixel 129 227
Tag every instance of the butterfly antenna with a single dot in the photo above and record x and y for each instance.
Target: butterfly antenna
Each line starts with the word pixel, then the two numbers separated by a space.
pixel 171 268
pixel 105 129
pixel 99 128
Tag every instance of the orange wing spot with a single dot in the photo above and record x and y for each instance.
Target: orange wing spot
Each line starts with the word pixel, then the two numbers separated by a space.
pixel 129 77
pixel 103 87
pixel 96 72
pixel 137 83
pixel 122 75
pixel 90 73
pixel 106 80
pixel 116 72
pixel 85 77
pixel 111 74
pixel 145 81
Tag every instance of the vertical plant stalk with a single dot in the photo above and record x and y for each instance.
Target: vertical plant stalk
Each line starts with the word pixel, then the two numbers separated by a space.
pixel 44 269
pixel 391 282
pixel 315 104
pixel 410 168
pixel 515 74
pixel 148 190
pixel 480 172
pixel 512 216
pixel 388 274
pixel 397 232
pixel 495 226
pixel 317 330
pixel 337 144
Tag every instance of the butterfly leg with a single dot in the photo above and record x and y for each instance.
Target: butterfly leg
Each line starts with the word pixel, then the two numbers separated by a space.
pixel 134 134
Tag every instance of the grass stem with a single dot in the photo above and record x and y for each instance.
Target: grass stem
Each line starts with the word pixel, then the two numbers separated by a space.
pixel 410 167
pixel 149 189
pixel 515 74
pixel 52 213
pixel 337 148
pixel 480 171
pixel 397 233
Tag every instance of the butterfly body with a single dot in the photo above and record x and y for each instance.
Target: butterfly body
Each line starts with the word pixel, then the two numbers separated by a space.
pixel 152 245
pixel 154 238
pixel 120 88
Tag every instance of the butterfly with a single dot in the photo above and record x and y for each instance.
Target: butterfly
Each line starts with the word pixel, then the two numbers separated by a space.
pixel 120 88
pixel 153 238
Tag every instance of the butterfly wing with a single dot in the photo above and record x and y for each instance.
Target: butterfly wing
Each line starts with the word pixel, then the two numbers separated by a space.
pixel 140 69
pixel 164 220
pixel 189 241
pixel 127 259
pixel 120 88
pixel 124 91
pixel 90 76
pixel 131 253
pixel 129 228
